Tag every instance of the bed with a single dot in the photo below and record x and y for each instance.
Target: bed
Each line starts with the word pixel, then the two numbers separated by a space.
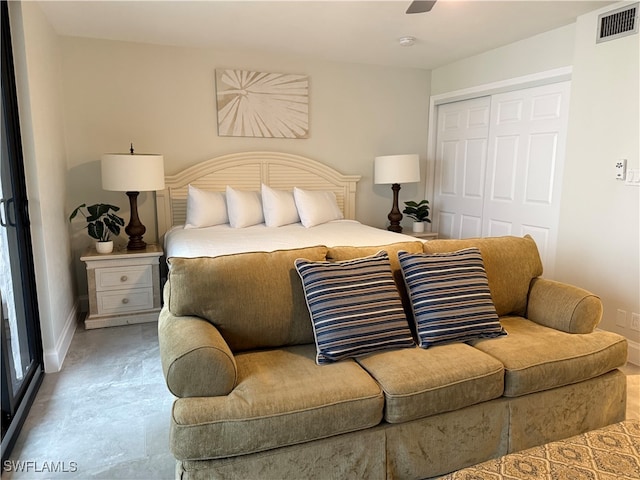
pixel 253 172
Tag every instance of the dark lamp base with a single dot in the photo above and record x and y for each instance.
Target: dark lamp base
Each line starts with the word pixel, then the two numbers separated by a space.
pixel 135 229
pixel 136 244
pixel 395 217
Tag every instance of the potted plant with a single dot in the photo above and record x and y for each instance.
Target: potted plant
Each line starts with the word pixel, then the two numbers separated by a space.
pixel 419 212
pixel 101 223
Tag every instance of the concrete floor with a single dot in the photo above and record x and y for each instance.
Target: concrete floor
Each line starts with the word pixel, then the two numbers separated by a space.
pixel 106 414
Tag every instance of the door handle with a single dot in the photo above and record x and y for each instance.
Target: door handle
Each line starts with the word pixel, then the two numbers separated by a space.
pixel 7 212
pixel 11 207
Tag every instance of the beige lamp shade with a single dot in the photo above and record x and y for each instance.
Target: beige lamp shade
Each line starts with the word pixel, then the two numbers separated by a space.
pixel 397 169
pixel 138 172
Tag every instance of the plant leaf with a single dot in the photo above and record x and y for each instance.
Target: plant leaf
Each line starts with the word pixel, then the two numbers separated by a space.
pixel 94 212
pixel 75 212
pixel 116 219
pixel 112 226
pixel 95 230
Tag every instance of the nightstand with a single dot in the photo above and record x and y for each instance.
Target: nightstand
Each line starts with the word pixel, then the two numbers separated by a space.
pixel 124 286
pixel 423 235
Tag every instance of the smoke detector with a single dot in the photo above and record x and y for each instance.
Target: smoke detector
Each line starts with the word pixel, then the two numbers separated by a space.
pixel 407 41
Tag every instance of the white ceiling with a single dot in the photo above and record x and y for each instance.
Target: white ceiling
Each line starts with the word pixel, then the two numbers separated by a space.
pixel 362 31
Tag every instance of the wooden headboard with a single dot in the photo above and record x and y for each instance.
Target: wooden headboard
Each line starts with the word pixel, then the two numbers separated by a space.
pixel 246 171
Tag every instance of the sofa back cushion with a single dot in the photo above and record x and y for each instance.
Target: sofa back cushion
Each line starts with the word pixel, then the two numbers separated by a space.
pixel 255 299
pixel 510 262
pixel 339 254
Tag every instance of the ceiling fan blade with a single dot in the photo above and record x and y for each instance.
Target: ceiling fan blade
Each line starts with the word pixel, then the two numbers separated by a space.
pixel 421 6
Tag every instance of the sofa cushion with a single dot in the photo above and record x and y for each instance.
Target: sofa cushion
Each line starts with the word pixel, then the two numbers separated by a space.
pixel 255 299
pixel 510 262
pixel 537 358
pixel 450 296
pixel 337 254
pixel 418 383
pixel 355 307
pixel 282 398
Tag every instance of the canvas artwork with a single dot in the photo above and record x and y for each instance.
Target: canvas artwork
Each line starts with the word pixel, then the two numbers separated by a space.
pixel 260 104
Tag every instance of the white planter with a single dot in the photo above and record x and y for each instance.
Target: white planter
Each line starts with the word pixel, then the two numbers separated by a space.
pixel 418 227
pixel 104 247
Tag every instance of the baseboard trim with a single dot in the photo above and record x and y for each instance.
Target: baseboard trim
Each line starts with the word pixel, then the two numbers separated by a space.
pixel 54 358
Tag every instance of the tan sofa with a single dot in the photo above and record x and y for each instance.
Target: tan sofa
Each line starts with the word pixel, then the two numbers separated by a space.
pixel 238 351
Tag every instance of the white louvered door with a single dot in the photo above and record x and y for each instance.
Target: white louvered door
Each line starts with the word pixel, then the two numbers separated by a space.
pixel 512 187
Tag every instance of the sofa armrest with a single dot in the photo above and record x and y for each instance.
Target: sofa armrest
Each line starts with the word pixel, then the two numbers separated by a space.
pixel 563 307
pixel 196 360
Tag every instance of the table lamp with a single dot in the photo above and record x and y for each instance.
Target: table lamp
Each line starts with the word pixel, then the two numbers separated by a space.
pixel 396 169
pixel 133 173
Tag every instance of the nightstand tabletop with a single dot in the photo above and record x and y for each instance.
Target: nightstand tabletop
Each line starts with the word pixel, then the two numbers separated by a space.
pixel 423 235
pixel 151 250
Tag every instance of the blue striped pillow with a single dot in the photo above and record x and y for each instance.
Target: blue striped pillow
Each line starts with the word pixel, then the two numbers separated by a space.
pixel 355 307
pixel 450 296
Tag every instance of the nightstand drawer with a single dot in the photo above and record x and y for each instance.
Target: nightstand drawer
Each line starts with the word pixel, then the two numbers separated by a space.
pixel 123 286
pixel 116 278
pixel 122 301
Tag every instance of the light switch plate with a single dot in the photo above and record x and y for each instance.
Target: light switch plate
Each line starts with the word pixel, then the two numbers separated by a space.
pixel 621 169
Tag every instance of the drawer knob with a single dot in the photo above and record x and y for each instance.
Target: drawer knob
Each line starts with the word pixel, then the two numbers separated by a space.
pixel 124 278
pixel 125 300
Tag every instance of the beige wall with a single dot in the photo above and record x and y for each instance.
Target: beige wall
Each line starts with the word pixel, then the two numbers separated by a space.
pixel 37 63
pixel 599 238
pixel 163 99
pixel 599 241
pixel 547 51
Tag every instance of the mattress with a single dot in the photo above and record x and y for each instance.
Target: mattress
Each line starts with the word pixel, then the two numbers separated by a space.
pixel 224 240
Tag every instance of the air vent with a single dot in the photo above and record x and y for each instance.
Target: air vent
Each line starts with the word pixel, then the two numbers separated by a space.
pixel 618 23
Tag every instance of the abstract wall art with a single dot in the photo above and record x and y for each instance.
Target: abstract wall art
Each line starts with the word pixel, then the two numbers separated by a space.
pixel 261 104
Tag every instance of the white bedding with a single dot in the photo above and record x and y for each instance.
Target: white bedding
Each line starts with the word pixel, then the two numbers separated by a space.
pixel 224 240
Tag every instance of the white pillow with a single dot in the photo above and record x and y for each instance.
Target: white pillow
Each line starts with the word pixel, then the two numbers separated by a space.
pixel 279 207
pixel 244 208
pixel 205 209
pixel 315 208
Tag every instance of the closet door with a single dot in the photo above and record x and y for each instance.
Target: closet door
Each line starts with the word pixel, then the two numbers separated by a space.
pixel 498 166
pixel 461 160
pixel 526 152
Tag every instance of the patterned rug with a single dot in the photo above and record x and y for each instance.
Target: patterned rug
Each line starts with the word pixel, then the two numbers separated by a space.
pixel 609 453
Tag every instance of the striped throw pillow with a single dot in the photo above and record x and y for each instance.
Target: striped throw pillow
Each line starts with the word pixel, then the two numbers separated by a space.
pixel 450 296
pixel 355 307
